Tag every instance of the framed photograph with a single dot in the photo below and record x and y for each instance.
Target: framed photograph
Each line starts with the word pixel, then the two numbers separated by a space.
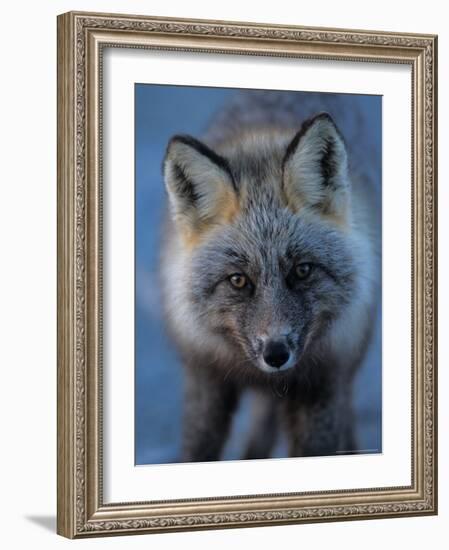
pixel 246 274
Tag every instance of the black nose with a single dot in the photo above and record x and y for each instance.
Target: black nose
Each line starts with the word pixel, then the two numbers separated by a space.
pixel 276 354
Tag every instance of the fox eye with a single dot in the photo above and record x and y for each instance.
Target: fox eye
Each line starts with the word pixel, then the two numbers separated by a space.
pixel 303 270
pixel 238 280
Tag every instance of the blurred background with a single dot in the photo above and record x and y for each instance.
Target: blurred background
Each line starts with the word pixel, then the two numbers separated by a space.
pixel 160 112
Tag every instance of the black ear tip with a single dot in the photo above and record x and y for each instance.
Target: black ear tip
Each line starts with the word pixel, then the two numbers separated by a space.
pixel 309 122
pixel 177 138
pixel 201 149
pixel 328 118
pixel 181 138
pixel 325 116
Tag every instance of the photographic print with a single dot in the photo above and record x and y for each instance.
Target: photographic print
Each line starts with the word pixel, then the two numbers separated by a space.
pixel 258 274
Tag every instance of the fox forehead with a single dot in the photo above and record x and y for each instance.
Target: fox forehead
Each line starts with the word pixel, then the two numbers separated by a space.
pixel 264 242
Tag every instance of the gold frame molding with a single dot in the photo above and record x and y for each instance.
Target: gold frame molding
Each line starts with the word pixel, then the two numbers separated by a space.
pixel 81 39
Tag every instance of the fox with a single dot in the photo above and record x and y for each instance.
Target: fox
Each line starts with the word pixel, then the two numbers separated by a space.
pixel 270 268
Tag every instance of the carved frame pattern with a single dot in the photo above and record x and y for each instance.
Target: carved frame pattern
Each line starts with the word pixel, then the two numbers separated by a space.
pixel 81 37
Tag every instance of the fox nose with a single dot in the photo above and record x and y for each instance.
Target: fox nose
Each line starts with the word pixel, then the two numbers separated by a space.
pixel 276 354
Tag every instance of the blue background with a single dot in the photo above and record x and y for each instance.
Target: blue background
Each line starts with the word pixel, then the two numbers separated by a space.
pixel 160 112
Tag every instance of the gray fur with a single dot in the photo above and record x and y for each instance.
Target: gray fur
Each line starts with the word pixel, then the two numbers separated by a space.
pixel 324 321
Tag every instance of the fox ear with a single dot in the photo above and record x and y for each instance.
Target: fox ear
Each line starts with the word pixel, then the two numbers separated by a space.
pixel 315 169
pixel 199 182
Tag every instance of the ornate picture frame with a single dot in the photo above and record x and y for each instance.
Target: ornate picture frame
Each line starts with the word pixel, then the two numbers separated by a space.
pixel 82 39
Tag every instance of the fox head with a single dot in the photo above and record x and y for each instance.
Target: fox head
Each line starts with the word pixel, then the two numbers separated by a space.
pixel 267 265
